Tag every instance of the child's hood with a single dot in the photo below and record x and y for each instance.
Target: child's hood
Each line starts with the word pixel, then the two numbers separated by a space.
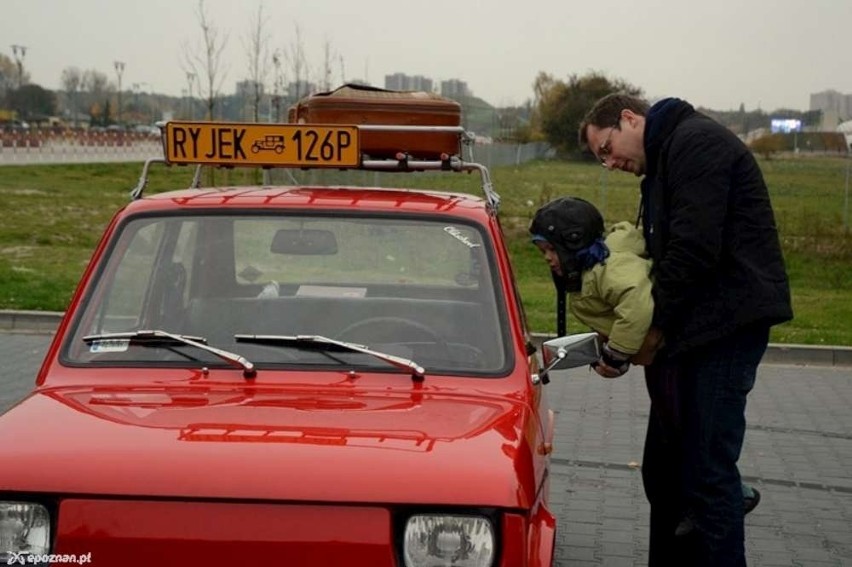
pixel 625 237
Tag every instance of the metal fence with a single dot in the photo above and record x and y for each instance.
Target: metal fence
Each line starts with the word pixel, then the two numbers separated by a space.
pixel 493 155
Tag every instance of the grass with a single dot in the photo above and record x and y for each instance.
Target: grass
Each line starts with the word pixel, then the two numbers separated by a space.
pixel 56 213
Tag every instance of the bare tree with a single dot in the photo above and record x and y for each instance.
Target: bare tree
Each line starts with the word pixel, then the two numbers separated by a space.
pixel 328 55
pixel 94 81
pixel 278 84
pixel 72 81
pixel 257 50
pixel 298 62
pixel 95 87
pixel 9 75
pixel 206 63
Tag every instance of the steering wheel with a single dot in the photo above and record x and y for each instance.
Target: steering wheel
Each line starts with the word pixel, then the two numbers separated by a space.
pixel 393 330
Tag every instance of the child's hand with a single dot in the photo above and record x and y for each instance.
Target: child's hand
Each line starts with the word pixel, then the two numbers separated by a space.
pixel 612 363
pixel 607 371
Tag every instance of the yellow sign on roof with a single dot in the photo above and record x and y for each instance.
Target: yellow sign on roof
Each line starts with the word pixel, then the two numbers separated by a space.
pixel 253 144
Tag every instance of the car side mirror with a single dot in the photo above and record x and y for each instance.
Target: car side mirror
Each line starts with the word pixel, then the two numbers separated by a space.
pixel 570 351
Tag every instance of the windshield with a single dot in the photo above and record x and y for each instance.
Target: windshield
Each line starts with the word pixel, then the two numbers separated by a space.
pixel 423 289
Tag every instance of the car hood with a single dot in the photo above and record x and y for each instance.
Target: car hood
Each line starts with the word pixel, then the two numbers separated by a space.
pixel 281 444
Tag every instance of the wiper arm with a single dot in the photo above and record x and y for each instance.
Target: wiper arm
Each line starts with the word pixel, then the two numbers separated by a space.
pixel 156 335
pixel 417 371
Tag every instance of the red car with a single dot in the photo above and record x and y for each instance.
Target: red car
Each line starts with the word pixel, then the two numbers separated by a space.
pixel 299 375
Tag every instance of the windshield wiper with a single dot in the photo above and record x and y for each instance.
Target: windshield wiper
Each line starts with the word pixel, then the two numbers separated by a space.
pixel 417 371
pixel 155 336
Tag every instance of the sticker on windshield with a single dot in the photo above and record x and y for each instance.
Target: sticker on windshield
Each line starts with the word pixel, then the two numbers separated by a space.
pixel 109 345
pixel 460 236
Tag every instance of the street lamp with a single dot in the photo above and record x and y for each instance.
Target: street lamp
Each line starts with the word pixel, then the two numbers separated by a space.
pixel 19 61
pixel 119 69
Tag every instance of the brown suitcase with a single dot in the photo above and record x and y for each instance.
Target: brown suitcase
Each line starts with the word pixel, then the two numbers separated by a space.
pixel 357 104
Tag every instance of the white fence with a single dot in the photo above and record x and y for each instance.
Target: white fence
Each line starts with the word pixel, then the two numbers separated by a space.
pixel 19 148
pixel 99 147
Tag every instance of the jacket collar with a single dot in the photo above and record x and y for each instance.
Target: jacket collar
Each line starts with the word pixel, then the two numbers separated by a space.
pixel 660 122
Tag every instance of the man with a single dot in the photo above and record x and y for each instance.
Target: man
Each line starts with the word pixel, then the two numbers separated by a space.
pixel 719 284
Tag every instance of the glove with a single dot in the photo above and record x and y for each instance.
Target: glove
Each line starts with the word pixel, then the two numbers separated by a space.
pixel 612 363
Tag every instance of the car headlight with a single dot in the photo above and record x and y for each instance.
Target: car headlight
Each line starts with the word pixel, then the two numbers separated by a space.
pixel 436 540
pixel 24 529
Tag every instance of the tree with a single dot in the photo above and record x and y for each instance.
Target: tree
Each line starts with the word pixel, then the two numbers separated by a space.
pixel 32 102
pixel 546 90
pixel 72 81
pixel 94 87
pixel 298 61
pixel 206 64
pixel 9 75
pixel 278 84
pixel 562 105
pixel 327 62
pixel 257 49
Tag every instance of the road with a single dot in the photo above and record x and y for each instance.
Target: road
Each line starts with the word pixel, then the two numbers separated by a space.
pixel 798 452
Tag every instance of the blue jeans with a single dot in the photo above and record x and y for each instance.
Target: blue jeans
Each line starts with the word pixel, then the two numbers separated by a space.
pixel 694 438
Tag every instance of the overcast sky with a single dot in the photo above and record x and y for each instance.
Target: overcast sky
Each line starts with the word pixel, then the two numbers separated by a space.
pixel 765 54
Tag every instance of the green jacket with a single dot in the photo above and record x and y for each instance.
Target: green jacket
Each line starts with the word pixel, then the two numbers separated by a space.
pixel 615 299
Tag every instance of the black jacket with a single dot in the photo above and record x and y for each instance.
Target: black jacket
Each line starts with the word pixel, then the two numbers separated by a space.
pixel 710 230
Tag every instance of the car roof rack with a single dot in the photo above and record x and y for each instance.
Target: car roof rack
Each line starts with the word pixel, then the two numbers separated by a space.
pixel 178 135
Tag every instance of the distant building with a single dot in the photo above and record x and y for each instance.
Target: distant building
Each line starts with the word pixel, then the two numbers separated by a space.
pixel 835 107
pixel 246 89
pixel 403 82
pixel 396 81
pixel 299 89
pixel 455 88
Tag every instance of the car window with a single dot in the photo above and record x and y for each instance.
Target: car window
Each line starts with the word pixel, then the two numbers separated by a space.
pixel 122 305
pixel 444 255
pixel 422 288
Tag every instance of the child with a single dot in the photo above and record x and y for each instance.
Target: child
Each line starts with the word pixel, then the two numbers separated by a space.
pixel 608 281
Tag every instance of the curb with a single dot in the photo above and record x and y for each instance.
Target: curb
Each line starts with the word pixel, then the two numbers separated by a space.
pixel 41 322
pixel 46 322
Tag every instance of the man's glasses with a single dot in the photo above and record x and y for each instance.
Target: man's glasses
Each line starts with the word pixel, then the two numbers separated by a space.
pixel 606 147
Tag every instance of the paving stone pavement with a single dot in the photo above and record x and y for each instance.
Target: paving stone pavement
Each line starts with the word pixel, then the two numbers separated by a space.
pixel 20 359
pixel 798 452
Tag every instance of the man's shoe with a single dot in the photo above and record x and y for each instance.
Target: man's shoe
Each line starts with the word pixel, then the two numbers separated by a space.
pixel 751 498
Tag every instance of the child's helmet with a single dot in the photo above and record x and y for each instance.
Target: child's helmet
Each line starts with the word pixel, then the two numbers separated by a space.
pixel 570 224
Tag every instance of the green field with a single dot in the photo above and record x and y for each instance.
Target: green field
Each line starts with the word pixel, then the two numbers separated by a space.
pixel 55 215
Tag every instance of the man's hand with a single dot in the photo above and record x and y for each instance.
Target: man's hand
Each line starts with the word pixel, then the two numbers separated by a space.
pixel 652 343
pixel 612 363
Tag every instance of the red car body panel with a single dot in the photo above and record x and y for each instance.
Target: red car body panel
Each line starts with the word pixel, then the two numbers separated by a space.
pixel 179 466
pixel 129 532
pixel 305 445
